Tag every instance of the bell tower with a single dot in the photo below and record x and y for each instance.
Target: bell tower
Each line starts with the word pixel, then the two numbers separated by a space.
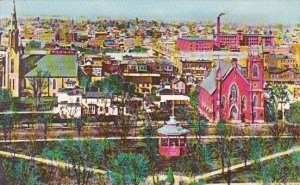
pixel 13 57
pixel 256 76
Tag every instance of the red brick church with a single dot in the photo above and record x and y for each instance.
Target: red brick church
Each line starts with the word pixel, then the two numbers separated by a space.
pixel 232 93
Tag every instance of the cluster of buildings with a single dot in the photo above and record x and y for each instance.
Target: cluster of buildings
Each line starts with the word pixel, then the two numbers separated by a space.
pixel 229 69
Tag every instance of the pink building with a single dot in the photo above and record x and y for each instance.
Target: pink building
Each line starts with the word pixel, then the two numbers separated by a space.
pixel 233 94
pixel 235 40
pixel 194 44
pixel 258 39
pixel 229 41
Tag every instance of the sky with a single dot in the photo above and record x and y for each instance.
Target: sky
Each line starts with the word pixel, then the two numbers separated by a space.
pixel 238 11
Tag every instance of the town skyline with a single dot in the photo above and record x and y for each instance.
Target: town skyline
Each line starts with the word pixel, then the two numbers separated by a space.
pixel 102 101
pixel 251 13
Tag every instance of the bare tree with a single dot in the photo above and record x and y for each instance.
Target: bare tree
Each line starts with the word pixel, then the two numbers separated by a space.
pixel 38 85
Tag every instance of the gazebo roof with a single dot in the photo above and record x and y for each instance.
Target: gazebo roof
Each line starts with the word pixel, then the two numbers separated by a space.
pixel 172 129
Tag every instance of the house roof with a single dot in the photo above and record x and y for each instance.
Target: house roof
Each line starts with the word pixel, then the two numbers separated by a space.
pixel 94 95
pixel 209 83
pixel 138 79
pixel 167 91
pixel 163 62
pixel 56 65
pixel 70 92
pixel 176 80
pixel 275 70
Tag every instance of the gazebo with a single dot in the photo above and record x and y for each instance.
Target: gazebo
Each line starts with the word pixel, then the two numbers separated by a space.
pixel 172 139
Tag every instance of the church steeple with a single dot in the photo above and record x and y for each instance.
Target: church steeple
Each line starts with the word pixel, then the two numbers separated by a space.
pixel 14 23
pixel 13 76
pixel 14 32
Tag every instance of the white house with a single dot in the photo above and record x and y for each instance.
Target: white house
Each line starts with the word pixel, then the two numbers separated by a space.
pixel 69 101
pixel 178 85
pixel 96 103
pixel 168 96
pixel 73 103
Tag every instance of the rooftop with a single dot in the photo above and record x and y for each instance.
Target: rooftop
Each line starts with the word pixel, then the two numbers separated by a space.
pixel 94 95
pixel 209 83
pixel 193 38
pixel 171 129
pixel 211 55
pixel 56 65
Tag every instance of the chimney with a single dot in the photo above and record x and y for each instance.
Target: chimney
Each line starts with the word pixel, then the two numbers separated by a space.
pixel 0 38
pixel 234 62
pixel 219 30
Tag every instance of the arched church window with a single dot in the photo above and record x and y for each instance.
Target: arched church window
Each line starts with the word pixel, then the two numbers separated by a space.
pixel 255 71
pixel 243 103
pixel 254 101
pixel 234 113
pixel 223 102
pixel 233 92
pixel 12 66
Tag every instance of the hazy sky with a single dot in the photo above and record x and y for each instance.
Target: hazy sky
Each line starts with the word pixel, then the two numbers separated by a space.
pixel 243 11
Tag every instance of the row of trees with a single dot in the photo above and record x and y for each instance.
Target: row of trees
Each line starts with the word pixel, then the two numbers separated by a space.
pixel 227 152
pixel 83 155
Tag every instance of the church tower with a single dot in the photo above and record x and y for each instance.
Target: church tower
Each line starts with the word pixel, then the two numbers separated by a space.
pixel 256 75
pixel 13 58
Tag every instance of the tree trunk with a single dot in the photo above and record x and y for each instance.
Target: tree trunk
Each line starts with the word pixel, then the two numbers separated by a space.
pixel 282 111
pixel 228 173
pixel 223 165
pixel 45 131
pixel 2 173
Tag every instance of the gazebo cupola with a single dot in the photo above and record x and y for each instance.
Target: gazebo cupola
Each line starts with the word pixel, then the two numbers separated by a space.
pixel 172 139
pixel 70 84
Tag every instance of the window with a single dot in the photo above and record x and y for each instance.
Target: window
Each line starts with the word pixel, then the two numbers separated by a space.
pixel 254 115
pixel 254 101
pixel 77 100
pixel 233 92
pixel 234 113
pixel 12 64
pixel 223 102
pixel 243 103
pixel 255 71
pixel 13 84
pixel 54 84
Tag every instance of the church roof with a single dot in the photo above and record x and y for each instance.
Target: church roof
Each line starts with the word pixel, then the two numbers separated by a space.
pixel 209 83
pixel 56 65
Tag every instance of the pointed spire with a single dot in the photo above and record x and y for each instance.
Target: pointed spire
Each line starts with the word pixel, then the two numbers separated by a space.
pixel 14 6
pixel 14 23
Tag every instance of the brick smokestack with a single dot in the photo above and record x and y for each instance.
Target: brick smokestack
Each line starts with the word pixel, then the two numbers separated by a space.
pixel 219 30
pixel 0 38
